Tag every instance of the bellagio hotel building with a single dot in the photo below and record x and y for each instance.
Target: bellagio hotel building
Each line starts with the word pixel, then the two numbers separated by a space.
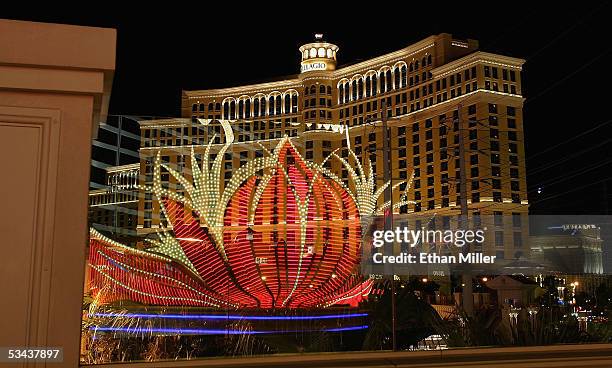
pixel 428 92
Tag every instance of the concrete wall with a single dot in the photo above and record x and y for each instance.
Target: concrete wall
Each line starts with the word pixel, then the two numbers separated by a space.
pixel 54 87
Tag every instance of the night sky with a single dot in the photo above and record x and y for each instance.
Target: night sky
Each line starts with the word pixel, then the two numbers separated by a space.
pixel 568 121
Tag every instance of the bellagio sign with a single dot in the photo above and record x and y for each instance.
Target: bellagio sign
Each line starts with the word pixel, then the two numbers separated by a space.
pixel 319 65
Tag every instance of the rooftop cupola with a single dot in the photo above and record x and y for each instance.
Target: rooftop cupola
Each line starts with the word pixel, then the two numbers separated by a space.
pixel 318 55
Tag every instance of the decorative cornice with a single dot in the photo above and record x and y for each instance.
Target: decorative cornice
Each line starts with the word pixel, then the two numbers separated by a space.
pixel 475 58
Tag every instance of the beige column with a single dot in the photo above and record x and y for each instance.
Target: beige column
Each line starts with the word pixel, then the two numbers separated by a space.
pixel 55 84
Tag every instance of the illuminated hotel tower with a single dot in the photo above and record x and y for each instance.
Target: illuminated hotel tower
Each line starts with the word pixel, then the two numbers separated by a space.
pixel 427 89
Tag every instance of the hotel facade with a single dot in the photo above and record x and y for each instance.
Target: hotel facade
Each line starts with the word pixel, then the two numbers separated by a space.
pixel 428 93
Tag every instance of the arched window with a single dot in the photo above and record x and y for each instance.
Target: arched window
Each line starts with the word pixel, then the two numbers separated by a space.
pixel 396 74
pixel 429 59
pixel 360 88
pixel 374 85
pixel 329 90
pixel 341 93
pixel 210 106
pixel 347 92
pixel 232 110
pixel 313 90
pixel 322 89
pixel 240 109
pixel 217 106
pixel 424 61
pixel 271 105
pixel 194 107
pixel 226 110
pixel 368 86
pixel 247 109
pixel 287 104
pixel 306 91
pixel 279 104
pixel 411 67
pixel 256 107
pixel 294 103
pixel 416 65
pixel 383 84
pixel 389 80
pixel 354 85
pixel 263 106
pixel 404 76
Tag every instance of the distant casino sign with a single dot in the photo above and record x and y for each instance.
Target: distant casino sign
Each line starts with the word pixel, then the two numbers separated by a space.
pixel 319 65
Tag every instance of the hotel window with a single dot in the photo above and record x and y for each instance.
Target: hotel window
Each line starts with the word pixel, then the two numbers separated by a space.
pixel 512 76
pixel 278 105
pixel 514 185
pixel 271 105
pixel 256 107
pixel 516 219
pixel 232 110
pixel 475 184
pixel 499 238
pixel 475 197
pixel 515 198
pixel 473 134
pixel 495 171
pixel 496 183
pixel 487 71
pixel 493 108
pixel 472 110
pixel 498 218
pixel 473 72
pixel 518 239
pixel 497 197
pixel 397 77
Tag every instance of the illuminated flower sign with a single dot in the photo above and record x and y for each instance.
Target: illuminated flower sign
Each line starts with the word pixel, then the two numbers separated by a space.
pixel 290 238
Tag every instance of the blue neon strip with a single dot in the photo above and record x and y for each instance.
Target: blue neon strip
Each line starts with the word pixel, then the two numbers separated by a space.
pixel 204 331
pixel 222 317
